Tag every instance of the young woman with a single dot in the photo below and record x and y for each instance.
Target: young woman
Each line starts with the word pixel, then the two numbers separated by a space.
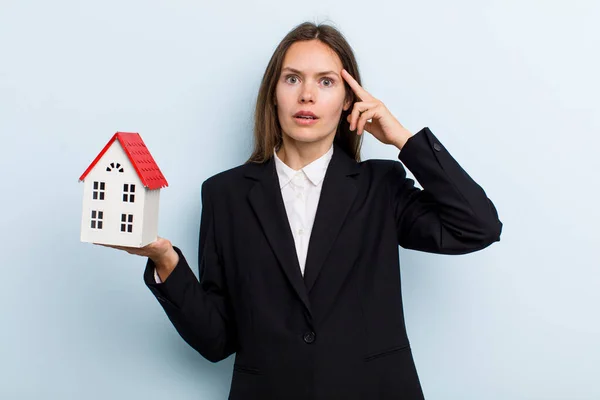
pixel 298 253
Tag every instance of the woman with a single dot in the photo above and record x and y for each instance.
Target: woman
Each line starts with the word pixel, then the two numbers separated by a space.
pixel 298 252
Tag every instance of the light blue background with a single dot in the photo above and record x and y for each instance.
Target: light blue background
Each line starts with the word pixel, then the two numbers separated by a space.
pixel 510 88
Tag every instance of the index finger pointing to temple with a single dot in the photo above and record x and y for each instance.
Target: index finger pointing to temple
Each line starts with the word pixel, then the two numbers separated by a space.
pixel 360 92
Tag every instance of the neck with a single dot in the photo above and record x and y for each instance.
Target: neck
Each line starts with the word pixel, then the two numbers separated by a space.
pixel 297 155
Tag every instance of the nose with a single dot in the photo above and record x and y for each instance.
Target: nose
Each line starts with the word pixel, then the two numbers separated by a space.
pixel 307 94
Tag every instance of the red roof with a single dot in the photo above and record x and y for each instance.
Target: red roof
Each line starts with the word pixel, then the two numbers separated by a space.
pixel 140 158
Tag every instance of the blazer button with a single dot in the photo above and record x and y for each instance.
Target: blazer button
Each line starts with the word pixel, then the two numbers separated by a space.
pixel 437 146
pixel 309 337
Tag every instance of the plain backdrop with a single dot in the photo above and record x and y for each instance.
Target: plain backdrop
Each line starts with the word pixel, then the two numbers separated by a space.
pixel 509 87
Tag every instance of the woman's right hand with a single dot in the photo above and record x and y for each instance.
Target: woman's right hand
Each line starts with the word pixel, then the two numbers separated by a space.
pixel 160 251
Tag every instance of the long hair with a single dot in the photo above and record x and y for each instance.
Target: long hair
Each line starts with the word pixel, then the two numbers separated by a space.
pixel 267 130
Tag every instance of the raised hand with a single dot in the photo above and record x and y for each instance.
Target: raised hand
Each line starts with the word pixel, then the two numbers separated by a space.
pixel 384 126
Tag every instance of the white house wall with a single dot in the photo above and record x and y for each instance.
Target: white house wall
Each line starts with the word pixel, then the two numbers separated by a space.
pixel 151 203
pixel 113 205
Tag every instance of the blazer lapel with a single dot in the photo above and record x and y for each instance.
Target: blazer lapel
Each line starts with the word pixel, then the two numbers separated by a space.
pixel 266 200
pixel 337 196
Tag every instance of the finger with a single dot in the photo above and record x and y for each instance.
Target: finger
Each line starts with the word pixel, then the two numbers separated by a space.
pixel 138 251
pixel 362 94
pixel 364 117
pixel 112 246
pixel 356 112
pixel 120 247
pixel 106 245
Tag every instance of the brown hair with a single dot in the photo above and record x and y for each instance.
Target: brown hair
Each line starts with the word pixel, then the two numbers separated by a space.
pixel 267 131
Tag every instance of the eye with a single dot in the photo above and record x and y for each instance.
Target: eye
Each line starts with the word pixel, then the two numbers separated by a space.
pixel 328 80
pixel 287 78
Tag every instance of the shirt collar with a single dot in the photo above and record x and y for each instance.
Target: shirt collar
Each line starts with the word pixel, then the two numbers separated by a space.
pixel 315 171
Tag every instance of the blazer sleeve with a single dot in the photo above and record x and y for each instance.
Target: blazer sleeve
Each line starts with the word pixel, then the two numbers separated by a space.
pixel 451 214
pixel 200 311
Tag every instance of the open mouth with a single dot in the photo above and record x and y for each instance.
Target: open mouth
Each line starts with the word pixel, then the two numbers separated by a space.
pixel 305 120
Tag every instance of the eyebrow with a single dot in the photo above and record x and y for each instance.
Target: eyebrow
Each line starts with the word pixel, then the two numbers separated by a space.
pixel 300 72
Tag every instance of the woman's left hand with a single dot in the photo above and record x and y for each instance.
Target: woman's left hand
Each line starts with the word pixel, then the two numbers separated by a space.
pixel 384 126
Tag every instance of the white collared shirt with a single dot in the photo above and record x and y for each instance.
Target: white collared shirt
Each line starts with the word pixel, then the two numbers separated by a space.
pixel 301 191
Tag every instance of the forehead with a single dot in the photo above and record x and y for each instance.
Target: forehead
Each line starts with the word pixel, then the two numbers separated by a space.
pixel 311 56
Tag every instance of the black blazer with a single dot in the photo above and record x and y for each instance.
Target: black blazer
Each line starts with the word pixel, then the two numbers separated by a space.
pixel 338 332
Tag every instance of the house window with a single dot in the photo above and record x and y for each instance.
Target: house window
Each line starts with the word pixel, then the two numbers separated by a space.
pixel 127 223
pixel 128 193
pixel 98 192
pixel 115 166
pixel 97 217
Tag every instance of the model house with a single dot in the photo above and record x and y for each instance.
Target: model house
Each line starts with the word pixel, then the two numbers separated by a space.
pixel 121 194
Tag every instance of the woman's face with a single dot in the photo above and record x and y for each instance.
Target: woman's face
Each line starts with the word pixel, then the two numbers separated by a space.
pixel 310 81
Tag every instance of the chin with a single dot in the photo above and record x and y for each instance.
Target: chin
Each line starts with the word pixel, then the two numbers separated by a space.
pixel 306 136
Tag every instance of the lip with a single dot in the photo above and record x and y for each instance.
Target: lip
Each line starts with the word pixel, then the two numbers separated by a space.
pixel 305 113
pixel 305 121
